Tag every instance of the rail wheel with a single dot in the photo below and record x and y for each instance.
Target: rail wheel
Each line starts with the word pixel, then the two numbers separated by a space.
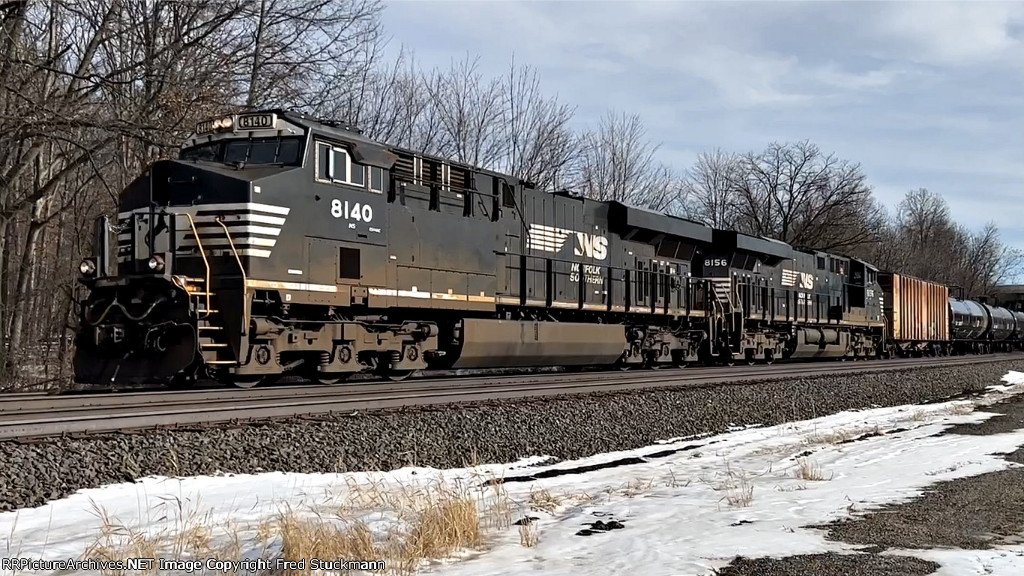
pixel 399 375
pixel 769 357
pixel 329 379
pixel 250 381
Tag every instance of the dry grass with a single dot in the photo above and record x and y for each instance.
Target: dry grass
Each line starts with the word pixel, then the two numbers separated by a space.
pixel 542 500
pixel 672 481
pixel 737 485
pixel 404 525
pixel 184 535
pixel 637 486
pixel 446 525
pixel 961 409
pixel 413 524
pixel 840 435
pixel 302 538
pixel 955 409
pixel 741 495
pixel 528 535
pixel 807 470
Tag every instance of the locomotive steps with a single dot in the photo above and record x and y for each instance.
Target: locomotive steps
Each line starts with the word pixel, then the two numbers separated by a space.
pixel 25 416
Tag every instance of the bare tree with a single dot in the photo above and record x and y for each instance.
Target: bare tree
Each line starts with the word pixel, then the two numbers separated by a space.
pixel 794 193
pixel 923 240
pixel 469 108
pixel 617 162
pixel 93 90
pixel 539 144
pixel 708 192
pixel 305 52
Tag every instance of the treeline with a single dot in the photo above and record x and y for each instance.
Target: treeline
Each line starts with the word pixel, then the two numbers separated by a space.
pixel 92 91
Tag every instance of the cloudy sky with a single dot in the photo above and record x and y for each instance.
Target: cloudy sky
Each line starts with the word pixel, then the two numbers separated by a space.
pixel 922 94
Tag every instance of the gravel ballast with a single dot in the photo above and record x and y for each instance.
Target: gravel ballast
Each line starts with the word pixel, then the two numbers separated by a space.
pixel 566 427
pixel 829 564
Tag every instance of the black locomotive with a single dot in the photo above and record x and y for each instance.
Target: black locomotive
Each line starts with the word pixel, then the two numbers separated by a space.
pixel 280 244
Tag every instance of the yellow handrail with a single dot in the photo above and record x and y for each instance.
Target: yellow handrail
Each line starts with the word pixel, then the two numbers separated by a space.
pixel 202 252
pixel 245 283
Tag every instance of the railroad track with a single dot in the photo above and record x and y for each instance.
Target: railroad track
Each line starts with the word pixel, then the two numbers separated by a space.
pixel 30 415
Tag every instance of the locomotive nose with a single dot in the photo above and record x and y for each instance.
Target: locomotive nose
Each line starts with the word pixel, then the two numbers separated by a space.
pixel 184 183
pixel 153 223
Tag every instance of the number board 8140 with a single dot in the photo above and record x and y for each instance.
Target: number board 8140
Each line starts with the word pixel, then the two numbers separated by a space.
pixel 256 121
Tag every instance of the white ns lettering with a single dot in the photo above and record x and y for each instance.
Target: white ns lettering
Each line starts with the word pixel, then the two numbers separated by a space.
pixel 591 246
pixel 351 211
pixel 806 281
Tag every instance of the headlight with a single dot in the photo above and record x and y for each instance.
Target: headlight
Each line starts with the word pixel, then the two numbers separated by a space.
pixel 156 264
pixel 87 267
pixel 222 123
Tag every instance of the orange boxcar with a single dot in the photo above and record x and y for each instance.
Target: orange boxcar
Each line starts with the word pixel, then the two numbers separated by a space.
pixel 915 310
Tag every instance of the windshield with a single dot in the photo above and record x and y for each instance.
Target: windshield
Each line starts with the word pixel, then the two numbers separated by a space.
pixel 253 151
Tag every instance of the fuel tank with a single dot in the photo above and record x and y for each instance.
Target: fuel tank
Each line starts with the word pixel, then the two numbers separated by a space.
pixel 511 343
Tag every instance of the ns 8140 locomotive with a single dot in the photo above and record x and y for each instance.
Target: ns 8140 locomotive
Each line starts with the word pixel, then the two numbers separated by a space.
pixel 280 244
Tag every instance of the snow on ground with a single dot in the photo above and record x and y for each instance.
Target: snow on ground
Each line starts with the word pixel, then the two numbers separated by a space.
pixel 688 505
pixel 1004 561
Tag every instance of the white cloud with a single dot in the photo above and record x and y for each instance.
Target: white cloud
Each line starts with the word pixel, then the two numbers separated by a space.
pixel 954 33
pixel 921 94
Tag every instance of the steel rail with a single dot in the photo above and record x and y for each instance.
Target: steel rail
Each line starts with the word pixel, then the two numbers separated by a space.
pixel 26 403
pixel 219 406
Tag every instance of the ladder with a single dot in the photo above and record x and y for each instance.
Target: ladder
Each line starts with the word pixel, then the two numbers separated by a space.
pixel 722 288
pixel 727 308
pixel 212 338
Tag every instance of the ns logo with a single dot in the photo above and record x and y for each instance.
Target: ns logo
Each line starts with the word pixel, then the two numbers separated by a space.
pixel 551 239
pixel 807 281
pixel 591 246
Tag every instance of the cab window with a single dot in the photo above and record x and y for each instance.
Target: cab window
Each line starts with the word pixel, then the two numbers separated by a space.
pixel 284 151
pixel 335 165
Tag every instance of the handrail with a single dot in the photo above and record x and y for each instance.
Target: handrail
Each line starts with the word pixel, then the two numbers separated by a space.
pixel 202 252
pixel 245 283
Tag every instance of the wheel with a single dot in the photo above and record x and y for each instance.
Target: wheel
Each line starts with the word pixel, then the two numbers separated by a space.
pixel 399 375
pixel 246 382
pixel 769 357
pixel 251 381
pixel 329 379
